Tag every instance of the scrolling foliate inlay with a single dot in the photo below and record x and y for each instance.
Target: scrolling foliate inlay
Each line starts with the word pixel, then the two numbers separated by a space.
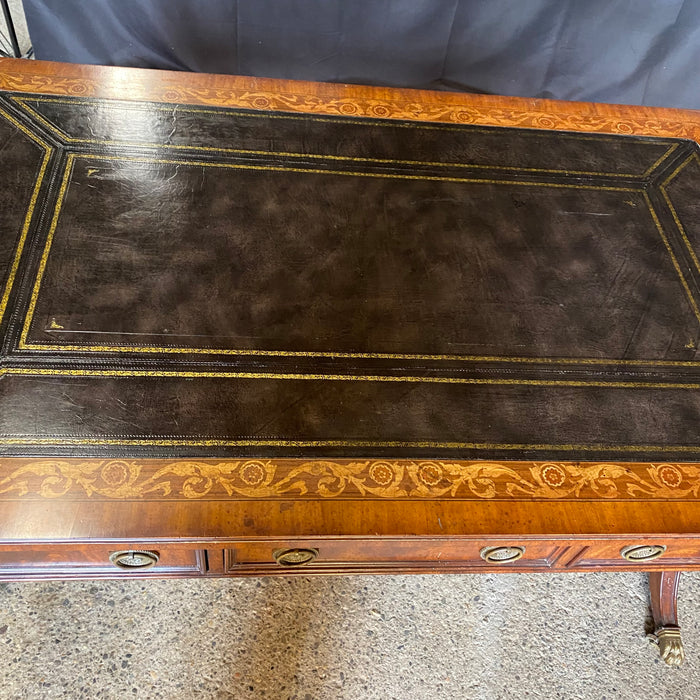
pixel 331 100
pixel 346 479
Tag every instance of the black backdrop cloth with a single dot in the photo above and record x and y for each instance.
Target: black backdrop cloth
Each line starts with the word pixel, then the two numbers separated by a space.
pixel 629 51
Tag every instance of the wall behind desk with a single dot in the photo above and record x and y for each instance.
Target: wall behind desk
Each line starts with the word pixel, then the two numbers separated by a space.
pixel 630 51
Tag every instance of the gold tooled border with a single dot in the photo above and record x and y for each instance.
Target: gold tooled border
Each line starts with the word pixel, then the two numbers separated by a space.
pixel 674 212
pixel 30 209
pixel 344 479
pixel 260 94
pixel 133 106
pixel 24 344
pixel 310 376
pixel 169 441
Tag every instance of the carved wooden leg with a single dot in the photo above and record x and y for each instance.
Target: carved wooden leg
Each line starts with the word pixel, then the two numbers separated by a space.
pixel 663 586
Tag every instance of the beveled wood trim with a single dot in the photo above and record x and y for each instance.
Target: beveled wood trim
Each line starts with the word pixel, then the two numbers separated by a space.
pixel 341 99
pixel 391 479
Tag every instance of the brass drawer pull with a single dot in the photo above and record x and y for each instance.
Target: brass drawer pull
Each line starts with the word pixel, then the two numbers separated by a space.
pixel 134 559
pixel 501 555
pixel 643 552
pixel 294 557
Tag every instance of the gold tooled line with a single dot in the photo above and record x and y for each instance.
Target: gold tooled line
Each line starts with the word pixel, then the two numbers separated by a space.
pixel 170 350
pixel 45 255
pixel 135 144
pixel 679 168
pixel 24 344
pixel 353 173
pixel 674 213
pixel 660 160
pixel 343 378
pixel 30 209
pixel 673 257
pixel 220 442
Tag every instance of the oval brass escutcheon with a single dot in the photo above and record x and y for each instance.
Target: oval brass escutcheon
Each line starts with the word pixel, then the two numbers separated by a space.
pixel 643 552
pixel 134 559
pixel 294 557
pixel 502 555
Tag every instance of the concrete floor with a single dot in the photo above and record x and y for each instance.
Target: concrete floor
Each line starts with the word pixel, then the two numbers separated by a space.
pixel 419 637
pixel 20 27
pixel 327 638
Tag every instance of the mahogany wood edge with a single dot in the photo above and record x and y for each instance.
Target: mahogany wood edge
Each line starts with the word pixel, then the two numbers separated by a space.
pixel 399 569
pixel 394 570
pixel 567 552
pixel 298 540
pixel 334 98
pixel 225 521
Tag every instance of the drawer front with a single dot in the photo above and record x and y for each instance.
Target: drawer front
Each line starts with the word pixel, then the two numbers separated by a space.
pixel 74 562
pixel 646 554
pixel 392 556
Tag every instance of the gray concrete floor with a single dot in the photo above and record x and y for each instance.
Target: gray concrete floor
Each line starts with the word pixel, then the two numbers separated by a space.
pixel 419 637
pixel 327 638
pixel 20 27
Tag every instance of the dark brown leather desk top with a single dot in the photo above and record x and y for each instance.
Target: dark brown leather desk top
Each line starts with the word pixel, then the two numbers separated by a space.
pixel 182 280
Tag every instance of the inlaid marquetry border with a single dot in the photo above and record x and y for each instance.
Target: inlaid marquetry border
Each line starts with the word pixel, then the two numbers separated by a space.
pixel 347 100
pixel 346 479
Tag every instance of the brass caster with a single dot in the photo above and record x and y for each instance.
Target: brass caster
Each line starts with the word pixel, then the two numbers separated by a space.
pixel 670 645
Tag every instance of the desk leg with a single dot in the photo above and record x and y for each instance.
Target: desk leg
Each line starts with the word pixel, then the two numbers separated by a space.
pixel 663 586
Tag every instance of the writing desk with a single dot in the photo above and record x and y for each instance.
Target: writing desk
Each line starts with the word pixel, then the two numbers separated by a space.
pixel 263 327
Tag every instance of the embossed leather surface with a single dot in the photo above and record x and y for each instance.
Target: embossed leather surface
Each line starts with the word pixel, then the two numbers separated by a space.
pixel 201 281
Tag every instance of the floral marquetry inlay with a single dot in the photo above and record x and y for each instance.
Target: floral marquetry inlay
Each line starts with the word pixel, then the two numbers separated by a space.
pixel 313 98
pixel 347 479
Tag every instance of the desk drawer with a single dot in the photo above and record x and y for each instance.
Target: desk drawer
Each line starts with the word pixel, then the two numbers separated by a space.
pixel 392 556
pixel 644 554
pixel 58 561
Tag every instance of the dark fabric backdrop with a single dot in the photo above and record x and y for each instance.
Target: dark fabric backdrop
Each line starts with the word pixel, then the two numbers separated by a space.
pixel 631 51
